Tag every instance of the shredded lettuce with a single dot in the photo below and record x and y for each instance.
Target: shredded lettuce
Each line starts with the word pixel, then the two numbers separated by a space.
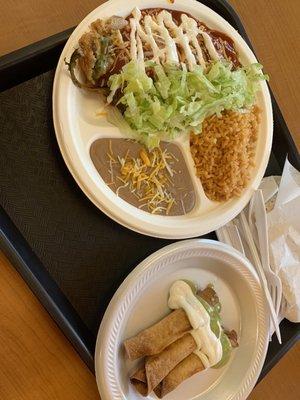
pixel 161 102
pixel 115 117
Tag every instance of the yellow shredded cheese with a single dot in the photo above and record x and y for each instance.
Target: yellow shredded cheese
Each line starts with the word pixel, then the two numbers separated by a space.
pixel 148 177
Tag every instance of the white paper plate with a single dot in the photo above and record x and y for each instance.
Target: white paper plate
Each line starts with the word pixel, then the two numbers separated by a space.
pixel 141 301
pixel 77 127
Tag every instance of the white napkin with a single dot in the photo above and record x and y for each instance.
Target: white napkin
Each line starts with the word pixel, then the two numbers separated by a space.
pixel 284 239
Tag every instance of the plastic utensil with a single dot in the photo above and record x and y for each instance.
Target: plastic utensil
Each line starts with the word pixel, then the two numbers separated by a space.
pixel 235 237
pixel 229 234
pixel 274 282
pixel 261 272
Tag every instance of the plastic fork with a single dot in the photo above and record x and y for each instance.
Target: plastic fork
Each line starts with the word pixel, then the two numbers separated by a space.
pixel 261 272
pixel 251 221
pixel 260 217
pixel 230 235
pixel 235 237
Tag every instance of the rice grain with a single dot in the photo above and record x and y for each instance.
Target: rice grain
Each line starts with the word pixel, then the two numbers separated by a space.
pixel 224 152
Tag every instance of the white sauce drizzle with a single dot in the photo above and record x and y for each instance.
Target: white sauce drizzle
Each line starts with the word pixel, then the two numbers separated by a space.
pixel 154 47
pixel 210 46
pixel 140 52
pixel 192 31
pixel 209 348
pixel 149 29
pixel 170 45
pixel 133 44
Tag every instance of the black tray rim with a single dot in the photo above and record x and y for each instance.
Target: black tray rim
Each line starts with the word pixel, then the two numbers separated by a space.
pixel 14 246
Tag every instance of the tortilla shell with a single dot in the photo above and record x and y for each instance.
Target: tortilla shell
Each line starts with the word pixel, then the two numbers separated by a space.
pixel 155 339
pixel 159 366
pixel 184 370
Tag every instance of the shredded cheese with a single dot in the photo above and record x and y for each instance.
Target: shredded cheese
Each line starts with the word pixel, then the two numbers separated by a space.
pixel 148 177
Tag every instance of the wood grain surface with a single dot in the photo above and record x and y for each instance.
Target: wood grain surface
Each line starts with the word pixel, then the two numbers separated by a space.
pixel 36 360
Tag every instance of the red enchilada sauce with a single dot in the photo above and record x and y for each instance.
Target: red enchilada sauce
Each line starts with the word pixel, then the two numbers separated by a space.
pixel 221 41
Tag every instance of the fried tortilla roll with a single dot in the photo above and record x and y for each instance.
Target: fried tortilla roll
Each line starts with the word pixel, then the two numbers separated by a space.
pixel 184 370
pixel 158 367
pixel 156 338
pixel 139 381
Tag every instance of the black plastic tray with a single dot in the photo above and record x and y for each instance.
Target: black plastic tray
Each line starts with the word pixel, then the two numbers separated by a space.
pixel 71 255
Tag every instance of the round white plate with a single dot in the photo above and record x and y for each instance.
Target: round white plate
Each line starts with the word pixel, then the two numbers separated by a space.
pixel 77 127
pixel 141 300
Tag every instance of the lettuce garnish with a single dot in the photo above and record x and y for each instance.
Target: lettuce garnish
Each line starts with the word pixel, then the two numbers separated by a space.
pixel 161 102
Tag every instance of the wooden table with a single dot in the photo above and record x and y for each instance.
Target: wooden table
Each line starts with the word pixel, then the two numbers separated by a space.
pixel 36 360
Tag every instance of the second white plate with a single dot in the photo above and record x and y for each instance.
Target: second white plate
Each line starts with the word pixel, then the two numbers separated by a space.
pixel 141 301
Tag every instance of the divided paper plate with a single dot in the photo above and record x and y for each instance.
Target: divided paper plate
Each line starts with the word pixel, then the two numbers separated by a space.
pixel 78 127
pixel 141 301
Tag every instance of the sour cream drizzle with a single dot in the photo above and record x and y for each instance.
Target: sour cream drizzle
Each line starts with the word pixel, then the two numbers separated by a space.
pixel 209 348
pixel 162 28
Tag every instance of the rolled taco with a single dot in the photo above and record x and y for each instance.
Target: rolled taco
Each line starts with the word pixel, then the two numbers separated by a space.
pixel 159 366
pixel 184 370
pixel 156 338
pixel 203 342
